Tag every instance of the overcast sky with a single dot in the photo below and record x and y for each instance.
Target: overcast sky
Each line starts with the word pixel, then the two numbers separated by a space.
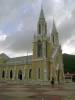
pixel 18 24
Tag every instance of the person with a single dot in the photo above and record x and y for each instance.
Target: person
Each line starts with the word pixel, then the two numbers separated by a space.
pixel 52 82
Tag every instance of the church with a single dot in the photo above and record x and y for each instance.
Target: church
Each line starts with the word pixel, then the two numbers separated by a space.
pixel 45 64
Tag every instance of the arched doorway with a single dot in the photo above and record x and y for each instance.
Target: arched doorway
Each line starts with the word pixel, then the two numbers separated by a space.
pixel 11 74
pixel 20 75
pixel 30 73
pixel 3 74
pixel 58 76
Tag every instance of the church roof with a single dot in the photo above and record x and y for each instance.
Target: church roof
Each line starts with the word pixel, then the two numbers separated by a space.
pixel 15 60
pixel 20 60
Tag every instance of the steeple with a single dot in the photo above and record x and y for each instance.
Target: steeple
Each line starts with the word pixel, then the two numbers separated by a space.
pixel 54 30
pixel 54 34
pixel 42 14
pixel 42 26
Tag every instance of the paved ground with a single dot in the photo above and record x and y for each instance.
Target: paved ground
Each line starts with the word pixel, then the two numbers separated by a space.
pixel 36 92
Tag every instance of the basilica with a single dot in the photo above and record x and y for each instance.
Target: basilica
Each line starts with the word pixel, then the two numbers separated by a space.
pixel 45 64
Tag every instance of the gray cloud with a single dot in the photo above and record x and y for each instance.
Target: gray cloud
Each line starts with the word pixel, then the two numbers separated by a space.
pixel 18 20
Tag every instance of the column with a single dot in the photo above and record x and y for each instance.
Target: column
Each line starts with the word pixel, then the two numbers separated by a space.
pixel 13 76
pixel 23 74
pixel 51 71
pixel 45 70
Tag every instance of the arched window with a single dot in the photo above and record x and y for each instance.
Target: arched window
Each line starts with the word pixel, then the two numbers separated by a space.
pixel 39 49
pixel 3 74
pixel 30 73
pixel 11 74
pixel 39 29
pixel 53 39
pixel 45 28
pixel 46 48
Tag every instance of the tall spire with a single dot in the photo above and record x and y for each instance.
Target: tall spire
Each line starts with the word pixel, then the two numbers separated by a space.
pixel 54 30
pixel 42 13
pixel 42 27
pixel 54 35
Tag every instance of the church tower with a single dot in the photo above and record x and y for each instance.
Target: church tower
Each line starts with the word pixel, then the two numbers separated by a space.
pixel 47 56
pixel 42 26
pixel 54 35
pixel 41 36
pixel 57 60
pixel 40 49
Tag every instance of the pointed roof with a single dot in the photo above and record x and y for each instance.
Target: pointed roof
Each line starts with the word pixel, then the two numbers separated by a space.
pixel 54 30
pixel 41 14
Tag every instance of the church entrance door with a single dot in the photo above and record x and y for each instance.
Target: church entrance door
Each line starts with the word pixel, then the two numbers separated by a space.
pixel 20 75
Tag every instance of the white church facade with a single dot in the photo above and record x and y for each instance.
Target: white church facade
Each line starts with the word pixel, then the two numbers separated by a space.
pixel 45 63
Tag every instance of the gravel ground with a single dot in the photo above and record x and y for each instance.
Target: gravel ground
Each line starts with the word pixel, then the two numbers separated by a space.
pixel 36 92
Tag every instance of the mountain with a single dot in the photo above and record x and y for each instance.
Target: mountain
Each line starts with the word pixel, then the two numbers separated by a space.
pixel 69 63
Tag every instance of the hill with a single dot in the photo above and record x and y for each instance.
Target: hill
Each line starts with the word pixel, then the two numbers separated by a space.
pixel 69 63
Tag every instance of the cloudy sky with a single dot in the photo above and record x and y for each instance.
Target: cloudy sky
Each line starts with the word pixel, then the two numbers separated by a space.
pixel 18 24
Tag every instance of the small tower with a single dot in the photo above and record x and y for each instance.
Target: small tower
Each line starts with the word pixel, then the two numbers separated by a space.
pixel 54 35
